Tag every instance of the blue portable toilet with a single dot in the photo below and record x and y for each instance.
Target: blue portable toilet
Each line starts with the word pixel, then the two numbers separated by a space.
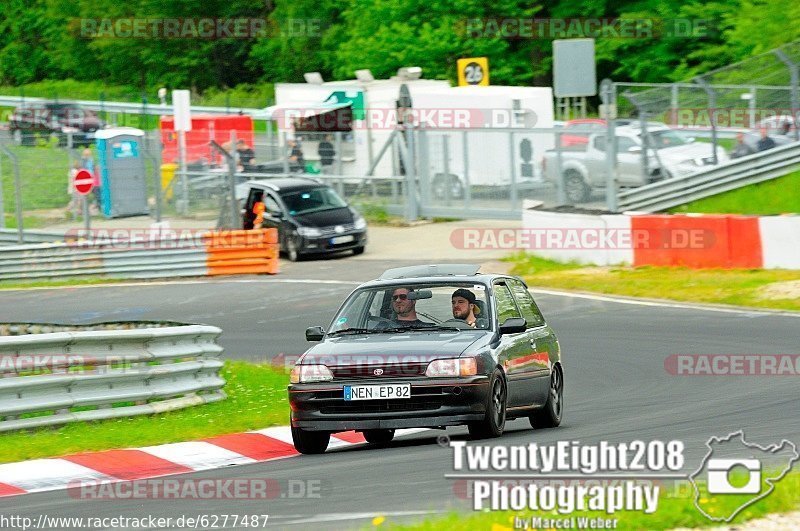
pixel 123 181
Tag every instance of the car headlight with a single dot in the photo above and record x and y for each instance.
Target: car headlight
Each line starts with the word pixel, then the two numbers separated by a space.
pixel 452 367
pixel 309 232
pixel 310 373
pixel 360 223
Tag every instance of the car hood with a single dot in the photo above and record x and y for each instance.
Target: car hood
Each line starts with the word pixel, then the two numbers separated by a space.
pixel 392 347
pixel 326 218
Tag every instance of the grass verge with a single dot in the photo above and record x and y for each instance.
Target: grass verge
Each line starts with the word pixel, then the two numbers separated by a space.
pixel 9 285
pixel 673 511
pixel 778 196
pixel 256 399
pixel 760 288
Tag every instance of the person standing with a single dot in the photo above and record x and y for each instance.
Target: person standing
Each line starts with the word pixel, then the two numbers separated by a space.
pixel 765 142
pixel 327 154
pixel 740 149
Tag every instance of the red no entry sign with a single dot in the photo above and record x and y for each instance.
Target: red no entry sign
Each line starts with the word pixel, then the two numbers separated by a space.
pixel 83 182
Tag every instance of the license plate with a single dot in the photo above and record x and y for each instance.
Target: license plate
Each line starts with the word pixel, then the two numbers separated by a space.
pixel 376 392
pixel 342 239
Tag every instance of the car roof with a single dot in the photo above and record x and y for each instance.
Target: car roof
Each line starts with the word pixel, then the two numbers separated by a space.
pixel 287 184
pixel 434 274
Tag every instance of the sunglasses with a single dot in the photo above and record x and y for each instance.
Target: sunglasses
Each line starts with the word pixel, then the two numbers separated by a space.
pixel 399 297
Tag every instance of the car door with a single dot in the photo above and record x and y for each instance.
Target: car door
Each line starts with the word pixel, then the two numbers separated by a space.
pixel 275 216
pixel 255 195
pixel 542 341
pixel 513 347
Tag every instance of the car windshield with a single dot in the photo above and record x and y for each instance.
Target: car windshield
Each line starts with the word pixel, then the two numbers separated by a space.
pixel 667 138
pixel 312 200
pixel 418 307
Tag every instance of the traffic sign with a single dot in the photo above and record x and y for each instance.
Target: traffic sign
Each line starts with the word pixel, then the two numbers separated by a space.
pixel 473 71
pixel 83 182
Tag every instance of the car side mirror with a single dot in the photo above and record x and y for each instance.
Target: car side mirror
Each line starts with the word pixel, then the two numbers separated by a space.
pixel 314 333
pixel 513 325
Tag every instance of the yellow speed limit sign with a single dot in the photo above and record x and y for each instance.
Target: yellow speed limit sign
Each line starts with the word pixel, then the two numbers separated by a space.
pixel 473 71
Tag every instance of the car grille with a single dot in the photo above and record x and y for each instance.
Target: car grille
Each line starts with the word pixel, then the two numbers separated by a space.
pixel 380 406
pixel 389 371
pixel 331 231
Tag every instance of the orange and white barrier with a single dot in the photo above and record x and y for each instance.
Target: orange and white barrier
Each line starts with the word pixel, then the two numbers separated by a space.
pixel 686 240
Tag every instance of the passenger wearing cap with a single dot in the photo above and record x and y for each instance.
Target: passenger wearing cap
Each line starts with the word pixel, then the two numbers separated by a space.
pixel 464 306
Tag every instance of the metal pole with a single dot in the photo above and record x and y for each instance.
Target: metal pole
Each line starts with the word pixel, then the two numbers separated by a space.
pixel 232 181
pixel 17 193
pixel 285 152
pixel 2 204
pixel 184 206
pixel 446 155
pixel 513 195
pixel 561 192
pixel 673 104
pixel 611 147
pixel 752 107
pixel 467 187
pixel 86 218
pixel 411 199
pixel 338 147
pixel 712 107
pixel 794 72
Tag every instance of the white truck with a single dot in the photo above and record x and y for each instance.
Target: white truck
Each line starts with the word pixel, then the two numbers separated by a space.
pixel 670 154
pixel 470 124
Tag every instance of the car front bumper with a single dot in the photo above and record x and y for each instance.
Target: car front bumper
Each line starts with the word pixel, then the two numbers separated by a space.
pixel 433 403
pixel 327 244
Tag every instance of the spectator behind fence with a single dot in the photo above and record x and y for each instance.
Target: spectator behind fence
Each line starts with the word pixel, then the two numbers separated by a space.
pixel 75 205
pixel 741 149
pixel 327 154
pixel 246 154
pixel 296 160
pixel 765 142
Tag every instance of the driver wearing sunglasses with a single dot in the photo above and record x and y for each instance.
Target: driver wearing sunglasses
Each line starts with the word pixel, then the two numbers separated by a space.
pixel 405 308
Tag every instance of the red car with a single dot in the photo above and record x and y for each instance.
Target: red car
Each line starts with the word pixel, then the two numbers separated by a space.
pixel 586 126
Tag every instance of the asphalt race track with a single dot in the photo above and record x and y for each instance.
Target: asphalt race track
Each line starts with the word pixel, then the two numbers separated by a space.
pixel 617 388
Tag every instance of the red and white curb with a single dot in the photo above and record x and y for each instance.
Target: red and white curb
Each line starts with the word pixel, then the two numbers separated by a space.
pixel 110 466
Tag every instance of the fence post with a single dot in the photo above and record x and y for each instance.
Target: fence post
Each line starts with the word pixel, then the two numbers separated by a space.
pixel 285 148
pixel 232 169
pixel 446 157
pixel 794 72
pixel 513 195
pixel 17 193
pixel 606 94
pixel 467 187
pixel 712 107
pixel 2 205
pixel 412 211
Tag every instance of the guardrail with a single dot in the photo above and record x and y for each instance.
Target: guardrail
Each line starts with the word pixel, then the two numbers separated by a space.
pixel 11 236
pixel 136 108
pixel 146 254
pixel 727 176
pixel 66 374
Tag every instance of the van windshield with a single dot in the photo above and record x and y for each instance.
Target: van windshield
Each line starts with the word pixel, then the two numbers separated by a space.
pixel 312 200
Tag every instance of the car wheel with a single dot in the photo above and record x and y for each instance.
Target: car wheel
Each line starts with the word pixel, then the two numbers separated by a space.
pixel 550 415
pixel 441 183
pixel 291 251
pixel 575 188
pixel 358 250
pixel 379 436
pixel 310 442
pixel 494 422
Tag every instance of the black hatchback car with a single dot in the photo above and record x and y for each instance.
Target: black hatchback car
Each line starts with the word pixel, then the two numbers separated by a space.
pixel 310 216
pixel 52 119
pixel 428 346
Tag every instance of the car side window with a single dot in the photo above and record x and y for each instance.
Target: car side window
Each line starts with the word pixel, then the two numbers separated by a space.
pixel 506 307
pixel 531 313
pixel 271 204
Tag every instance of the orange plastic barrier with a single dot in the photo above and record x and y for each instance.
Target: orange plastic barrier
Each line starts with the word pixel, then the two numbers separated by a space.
pixel 238 252
pixel 713 241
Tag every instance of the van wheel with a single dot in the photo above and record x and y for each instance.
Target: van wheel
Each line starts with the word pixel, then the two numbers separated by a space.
pixel 494 422
pixel 291 251
pixel 441 184
pixel 310 442
pixel 575 188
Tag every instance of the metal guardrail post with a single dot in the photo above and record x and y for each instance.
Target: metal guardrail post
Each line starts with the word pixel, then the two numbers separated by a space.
pixel 794 73
pixel 17 193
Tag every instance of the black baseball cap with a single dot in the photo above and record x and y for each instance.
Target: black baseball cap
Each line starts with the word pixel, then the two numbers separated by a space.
pixel 464 293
